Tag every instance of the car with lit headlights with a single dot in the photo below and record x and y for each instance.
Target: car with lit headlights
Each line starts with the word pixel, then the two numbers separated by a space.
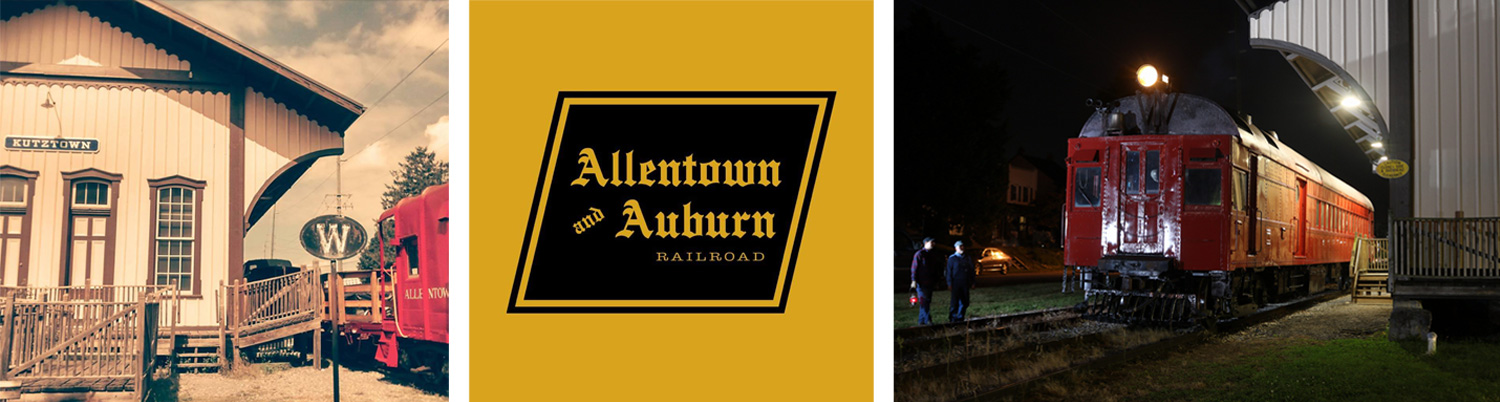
pixel 992 259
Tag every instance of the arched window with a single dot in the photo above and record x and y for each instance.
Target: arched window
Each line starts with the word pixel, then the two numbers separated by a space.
pixel 92 198
pixel 177 210
pixel 15 224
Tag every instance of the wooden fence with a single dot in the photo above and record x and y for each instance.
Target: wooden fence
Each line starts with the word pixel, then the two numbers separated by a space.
pixel 54 339
pixel 1445 248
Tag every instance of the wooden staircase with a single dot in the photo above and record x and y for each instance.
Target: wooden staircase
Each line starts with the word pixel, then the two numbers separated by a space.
pixel 1370 268
pixel 191 351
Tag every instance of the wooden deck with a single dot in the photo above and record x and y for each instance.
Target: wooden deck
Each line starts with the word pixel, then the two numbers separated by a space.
pixel 81 339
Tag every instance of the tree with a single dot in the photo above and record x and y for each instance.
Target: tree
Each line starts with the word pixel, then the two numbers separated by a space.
pixel 418 171
pixel 950 131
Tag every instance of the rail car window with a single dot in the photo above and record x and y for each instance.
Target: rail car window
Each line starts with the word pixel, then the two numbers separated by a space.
pixel 1086 186
pixel 1153 174
pixel 1132 172
pixel 1240 179
pixel 1203 187
pixel 409 246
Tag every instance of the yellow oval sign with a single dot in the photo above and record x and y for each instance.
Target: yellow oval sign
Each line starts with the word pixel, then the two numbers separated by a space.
pixel 1391 169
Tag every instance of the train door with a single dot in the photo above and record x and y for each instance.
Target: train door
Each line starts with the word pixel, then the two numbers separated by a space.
pixel 1252 210
pixel 1140 199
pixel 1301 223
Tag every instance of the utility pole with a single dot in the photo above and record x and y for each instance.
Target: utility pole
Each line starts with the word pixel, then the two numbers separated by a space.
pixel 337 305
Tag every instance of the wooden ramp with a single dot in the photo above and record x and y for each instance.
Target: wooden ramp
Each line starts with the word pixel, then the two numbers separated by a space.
pixel 260 312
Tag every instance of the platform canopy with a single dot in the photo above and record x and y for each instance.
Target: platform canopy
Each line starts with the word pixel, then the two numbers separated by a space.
pixel 1340 49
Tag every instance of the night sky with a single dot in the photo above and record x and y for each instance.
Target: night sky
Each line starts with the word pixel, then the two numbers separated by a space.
pixel 1057 54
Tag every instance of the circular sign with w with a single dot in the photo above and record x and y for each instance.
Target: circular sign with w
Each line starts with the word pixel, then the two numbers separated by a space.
pixel 333 237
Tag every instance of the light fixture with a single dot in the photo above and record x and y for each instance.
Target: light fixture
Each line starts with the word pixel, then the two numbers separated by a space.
pixel 1146 75
pixel 1376 144
pixel 1382 159
pixel 1165 80
pixel 1351 102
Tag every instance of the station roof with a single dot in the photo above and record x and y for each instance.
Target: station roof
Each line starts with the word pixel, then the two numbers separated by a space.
pixel 169 28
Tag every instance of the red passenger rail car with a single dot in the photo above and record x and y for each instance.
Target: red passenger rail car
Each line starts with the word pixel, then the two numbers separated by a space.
pixel 1180 210
pixel 411 329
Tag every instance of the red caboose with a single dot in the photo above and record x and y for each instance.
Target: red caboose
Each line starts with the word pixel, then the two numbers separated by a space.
pixel 412 327
pixel 1179 209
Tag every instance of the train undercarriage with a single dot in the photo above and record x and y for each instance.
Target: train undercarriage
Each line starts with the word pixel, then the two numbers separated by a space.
pixel 1178 298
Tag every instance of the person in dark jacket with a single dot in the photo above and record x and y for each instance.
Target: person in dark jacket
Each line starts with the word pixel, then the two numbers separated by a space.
pixel 926 271
pixel 960 275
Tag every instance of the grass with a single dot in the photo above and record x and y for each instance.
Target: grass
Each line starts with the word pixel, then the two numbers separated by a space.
pixel 1367 370
pixel 990 301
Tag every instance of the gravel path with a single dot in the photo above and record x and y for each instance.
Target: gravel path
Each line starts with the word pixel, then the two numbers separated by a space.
pixel 297 384
pixel 1333 319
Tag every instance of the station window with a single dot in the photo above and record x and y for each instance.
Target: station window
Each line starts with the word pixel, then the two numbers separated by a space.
pixel 175 240
pixel 177 210
pixel 1204 187
pixel 91 194
pixel 1086 186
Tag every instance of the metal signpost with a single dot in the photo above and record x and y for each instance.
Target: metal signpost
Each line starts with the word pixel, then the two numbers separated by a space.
pixel 334 238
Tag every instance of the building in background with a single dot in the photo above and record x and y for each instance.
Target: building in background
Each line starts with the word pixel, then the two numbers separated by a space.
pixel 1035 201
pixel 141 145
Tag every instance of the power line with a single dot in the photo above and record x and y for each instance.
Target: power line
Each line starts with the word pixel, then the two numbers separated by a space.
pixel 398 126
pixel 409 73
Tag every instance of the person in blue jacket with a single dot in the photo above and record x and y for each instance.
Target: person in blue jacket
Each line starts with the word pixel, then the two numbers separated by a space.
pixel 960 275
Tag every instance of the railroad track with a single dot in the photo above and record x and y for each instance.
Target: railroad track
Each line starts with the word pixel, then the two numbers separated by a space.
pixel 1015 357
pixel 918 341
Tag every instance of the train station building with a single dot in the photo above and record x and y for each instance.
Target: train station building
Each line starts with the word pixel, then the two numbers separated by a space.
pixel 1413 81
pixel 141 145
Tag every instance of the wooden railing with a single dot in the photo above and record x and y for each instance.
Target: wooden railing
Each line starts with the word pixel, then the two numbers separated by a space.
pixel 1445 248
pixel 267 304
pixel 50 344
pixel 1371 256
pixel 167 296
pixel 361 294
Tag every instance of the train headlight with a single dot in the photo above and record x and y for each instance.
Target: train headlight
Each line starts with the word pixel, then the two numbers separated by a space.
pixel 1146 75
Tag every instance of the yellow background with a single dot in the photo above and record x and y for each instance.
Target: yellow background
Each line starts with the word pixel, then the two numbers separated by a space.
pixel 524 52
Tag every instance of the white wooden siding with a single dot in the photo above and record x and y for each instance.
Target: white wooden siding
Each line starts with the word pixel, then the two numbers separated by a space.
pixel 1454 165
pixel 274 136
pixel 144 134
pixel 1351 33
pixel 65 35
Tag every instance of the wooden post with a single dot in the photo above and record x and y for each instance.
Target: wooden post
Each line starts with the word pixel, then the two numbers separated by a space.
pixel 7 336
pixel 141 376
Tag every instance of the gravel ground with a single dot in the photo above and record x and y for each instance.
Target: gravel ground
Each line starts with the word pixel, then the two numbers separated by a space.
pixel 297 384
pixel 1334 319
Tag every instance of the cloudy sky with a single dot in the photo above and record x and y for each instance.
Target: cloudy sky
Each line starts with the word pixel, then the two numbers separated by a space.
pixel 361 49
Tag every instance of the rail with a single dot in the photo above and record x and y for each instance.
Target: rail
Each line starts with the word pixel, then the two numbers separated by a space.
pixel 271 303
pixel 1445 248
pixel 167 296
pixel 49 343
